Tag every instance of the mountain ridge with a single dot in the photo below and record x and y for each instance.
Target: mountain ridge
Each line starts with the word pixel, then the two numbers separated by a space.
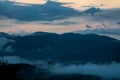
pixel 65 47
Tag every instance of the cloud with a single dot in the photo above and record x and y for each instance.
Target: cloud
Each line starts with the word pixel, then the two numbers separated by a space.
pixel 78 4
pixel 61 23
pixel 92 11
pixel 108 14
pixel 110 71
pixel 9 49
pixel 48 12
pixel 94 14
pixel 15 59
pixel 5 25
pixel 103 70
pixel 54 11
pixel 54 17
pixel 118 23
pixel 30 1
pixel 3 42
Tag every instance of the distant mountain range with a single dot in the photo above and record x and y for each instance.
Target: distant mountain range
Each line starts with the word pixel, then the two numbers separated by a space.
pixel 67 47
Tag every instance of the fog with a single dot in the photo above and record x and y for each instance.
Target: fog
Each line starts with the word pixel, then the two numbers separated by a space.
pixel 3 42
pixel 111 70
pixel 103 70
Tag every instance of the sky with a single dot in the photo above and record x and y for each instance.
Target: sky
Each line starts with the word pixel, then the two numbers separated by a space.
pixel 58 16
pixel 77 4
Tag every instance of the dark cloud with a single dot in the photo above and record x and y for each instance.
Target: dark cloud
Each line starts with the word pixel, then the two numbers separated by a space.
pixel 67 23
pixel 91 5
pixel 103 5
pixel 47 12
pixel 88 27
pixel 118 23
pixel 54 11
pixel 107 14
pixel 92 11
pixel 61 23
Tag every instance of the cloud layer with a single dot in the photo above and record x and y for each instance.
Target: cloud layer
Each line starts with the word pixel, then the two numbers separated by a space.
pixel 54 17
pixel 104 70
pixel 4 45
pixel 110 71
pixel 3 42
pixel 47 12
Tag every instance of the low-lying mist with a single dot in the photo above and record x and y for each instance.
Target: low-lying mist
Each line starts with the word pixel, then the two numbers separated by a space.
pixel 111 70
pixel 103 70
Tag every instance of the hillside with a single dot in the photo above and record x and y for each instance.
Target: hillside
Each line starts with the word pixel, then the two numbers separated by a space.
pixel 63 47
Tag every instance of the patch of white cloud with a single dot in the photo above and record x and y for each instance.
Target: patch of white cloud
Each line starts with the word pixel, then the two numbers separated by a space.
pixel 15 59
pixel 9 49
pixel 103 70
pixel 3 42
pixel 112 36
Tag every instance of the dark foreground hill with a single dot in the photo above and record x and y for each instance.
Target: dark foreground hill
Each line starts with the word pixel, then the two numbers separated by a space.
pixel 65 47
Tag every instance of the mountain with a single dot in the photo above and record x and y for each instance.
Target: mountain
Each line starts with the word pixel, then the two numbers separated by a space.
pixel 2 34
pixel 65 47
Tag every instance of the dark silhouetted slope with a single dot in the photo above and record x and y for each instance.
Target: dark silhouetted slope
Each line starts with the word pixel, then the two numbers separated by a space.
pixel 66 47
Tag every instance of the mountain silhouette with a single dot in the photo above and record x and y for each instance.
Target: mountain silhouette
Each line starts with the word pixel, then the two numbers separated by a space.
pixel 65 47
